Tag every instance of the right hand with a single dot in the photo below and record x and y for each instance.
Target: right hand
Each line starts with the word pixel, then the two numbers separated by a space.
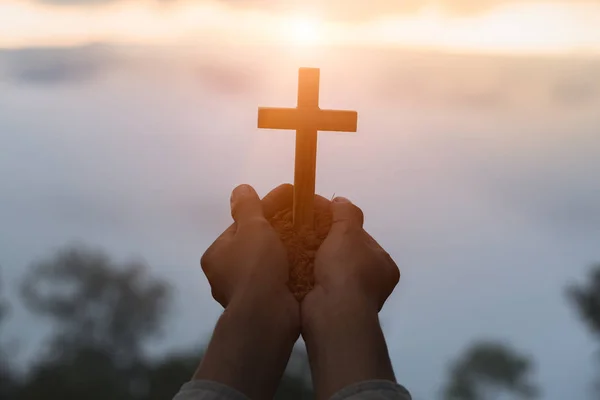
pixel 350 266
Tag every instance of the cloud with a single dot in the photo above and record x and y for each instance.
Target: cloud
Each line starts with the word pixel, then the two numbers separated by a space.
pixel 360 10
pixel 77 2
pixel 421 85
pixel 577 88
pixel 143 161
pixel 56 65
pixel 344 9
pixel 227 78
pixel 53 66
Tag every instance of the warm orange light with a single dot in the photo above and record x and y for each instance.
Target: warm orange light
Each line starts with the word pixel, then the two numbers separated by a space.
pixel 302 30
pixel 529 27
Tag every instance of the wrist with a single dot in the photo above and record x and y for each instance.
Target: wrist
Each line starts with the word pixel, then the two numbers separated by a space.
pixel 344 342
pixel 275 305
pixel 322 307
pixel 252 342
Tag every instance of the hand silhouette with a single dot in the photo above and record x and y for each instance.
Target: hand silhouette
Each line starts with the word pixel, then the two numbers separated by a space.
pixel 249 258
pixel 350 264
pixel 353 278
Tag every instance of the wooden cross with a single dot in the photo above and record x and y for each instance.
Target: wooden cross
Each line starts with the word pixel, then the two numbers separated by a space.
pixel 306 119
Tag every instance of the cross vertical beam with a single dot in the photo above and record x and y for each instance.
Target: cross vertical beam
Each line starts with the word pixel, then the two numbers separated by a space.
pixel 305 168
pixel 308 88
pixel 306 119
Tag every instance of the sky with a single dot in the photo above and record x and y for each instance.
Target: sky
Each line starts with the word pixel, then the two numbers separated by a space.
pixel 477 173
pixel 494 25
pixel 125 125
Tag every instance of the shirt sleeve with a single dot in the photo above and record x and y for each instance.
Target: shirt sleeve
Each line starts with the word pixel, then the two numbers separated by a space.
pixel 368 390
pixel 208 390
pixel 373 390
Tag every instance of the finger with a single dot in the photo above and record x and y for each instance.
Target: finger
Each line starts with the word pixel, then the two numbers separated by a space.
pixel 372 242
pixel 345 215
pixel 278 199
pixel 392 281
pixel 245 205
pixel 205 261
pixel 322 215
pixel 227 233
pixel 322 205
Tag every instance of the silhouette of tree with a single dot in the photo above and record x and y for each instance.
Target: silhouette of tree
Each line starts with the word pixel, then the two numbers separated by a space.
pixel 164 377
pixel 586 298
pixel 487 370
pixel 86 373
pixel 95 303
pixel 7 379
pixel 104 313
pixel 3 305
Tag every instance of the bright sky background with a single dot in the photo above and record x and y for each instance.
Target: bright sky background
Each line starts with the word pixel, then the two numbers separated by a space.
pixel 477 173
pixel 505 26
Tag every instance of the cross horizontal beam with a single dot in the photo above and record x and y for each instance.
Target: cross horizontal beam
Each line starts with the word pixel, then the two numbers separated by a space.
pixel 307 119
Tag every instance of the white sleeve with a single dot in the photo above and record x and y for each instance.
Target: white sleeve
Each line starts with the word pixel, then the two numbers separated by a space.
pixel 368 390
pixel 207 390
pixel 373 390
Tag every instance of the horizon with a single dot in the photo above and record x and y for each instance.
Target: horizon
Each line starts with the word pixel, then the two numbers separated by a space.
pixel 538 27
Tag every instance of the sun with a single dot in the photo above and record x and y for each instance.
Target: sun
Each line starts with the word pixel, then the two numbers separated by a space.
pixel 303 30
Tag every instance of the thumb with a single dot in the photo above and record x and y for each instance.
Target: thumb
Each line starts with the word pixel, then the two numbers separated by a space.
pixel 245 205
pixel 346 215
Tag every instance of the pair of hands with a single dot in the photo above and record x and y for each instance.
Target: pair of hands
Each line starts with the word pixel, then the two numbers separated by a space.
pixel 249 259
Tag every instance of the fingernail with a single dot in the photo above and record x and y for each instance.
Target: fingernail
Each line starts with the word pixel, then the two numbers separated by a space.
pixel 244 189
pixel 240 191
pixel 340 199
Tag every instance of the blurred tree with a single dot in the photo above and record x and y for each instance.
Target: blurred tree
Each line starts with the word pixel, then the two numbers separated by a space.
pixel 103 314
pixel 94 303
pixel 7 378
pixel 3 304
pixel 164 377
pixel 87 373
pixel 488 370
pixel 586 298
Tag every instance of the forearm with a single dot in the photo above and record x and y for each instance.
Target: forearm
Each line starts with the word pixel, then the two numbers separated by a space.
pixel 251 345
pixel 345 345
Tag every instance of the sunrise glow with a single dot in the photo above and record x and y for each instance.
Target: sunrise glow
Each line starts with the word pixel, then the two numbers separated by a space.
pixel 303 30
pixel 536 27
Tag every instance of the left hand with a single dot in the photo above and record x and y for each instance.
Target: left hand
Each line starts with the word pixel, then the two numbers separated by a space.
pixel 249 259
